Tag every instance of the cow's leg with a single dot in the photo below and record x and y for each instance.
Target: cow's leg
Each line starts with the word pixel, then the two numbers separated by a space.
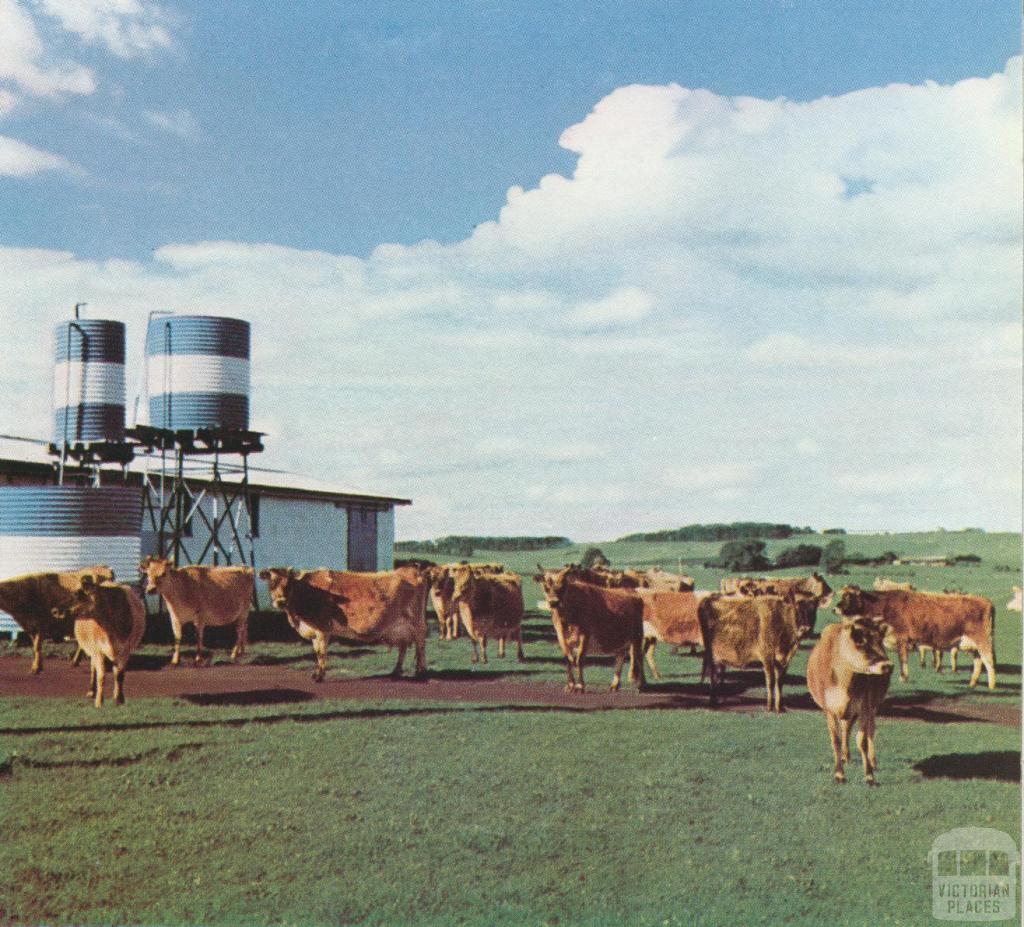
pixel 636 652
pixel 581 654
pixel 176 631
pixel 570 686
pixel 77 658
pixel 937 660
pixel 844 730
pixel 620 659
pixel 396 673
pixel 99 669
pixel 837 753
pixel 649 644
pixel 119 683
pixel 920 654
pixel 986 656
pixel 241 638
pixel 92 679
pixel 320 642
pixel 421 657
pixel 501 647
pixel 476 657
pixel 520 656
pixel 953 651
pixel 902 649
pixel 199 643
pixel 483 648
pixel 37 654
pixel 769 682
pixel 865 755
pixel 780 678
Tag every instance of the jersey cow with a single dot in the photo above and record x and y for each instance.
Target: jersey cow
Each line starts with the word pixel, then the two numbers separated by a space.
pixel 937 620
pixel 369 608
pixel 738 631
pixel 672 618
pixel 848 676
pixel 32 598
pixel 204 596
pixel 110 619
pixel 809 587
pixel 490 605
pixel 661 580
pixel 442 584
pixel 589 618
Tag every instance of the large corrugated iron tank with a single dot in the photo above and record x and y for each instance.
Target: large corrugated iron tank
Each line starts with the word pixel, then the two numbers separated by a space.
pixel 198 373
pixel 88 383
pixel 57 528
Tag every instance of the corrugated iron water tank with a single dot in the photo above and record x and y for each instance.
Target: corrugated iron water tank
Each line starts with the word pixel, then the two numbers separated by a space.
pixel 57 528
pixel 198 372
pixel 88 382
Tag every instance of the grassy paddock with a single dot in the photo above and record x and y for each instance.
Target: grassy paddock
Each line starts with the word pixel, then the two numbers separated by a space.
pixel 165 813
pixel 307 813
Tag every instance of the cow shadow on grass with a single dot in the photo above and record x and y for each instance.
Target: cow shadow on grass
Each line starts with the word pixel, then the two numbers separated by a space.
pixel 250 697
pixel 147 662
pixel 1001 765
pixel 348 653
pixel 912 707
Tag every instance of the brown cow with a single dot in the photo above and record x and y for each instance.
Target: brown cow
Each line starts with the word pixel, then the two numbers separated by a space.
pixel 490 605
pixel 937 620
pixel 881 584
pixel 848 675
pixel 370 608
pixel 203 596
pixel 670 617
pixel 30 599
pixel 661 581
pixel 737 631
pixel 813 586
pixel 589 618
pixel 110 619
pixel 442 584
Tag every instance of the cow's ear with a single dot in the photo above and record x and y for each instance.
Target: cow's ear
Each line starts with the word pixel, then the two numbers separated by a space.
pixel 264 574
pixel 88 581
pixel 539 578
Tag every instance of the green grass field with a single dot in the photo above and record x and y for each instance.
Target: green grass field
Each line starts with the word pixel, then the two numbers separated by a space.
pixel 399 812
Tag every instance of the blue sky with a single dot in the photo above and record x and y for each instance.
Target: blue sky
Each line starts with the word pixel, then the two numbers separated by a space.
pixel 588 268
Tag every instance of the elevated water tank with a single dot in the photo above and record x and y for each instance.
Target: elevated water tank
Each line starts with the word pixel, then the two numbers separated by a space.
pixel 88 382
pixel 198 372
pixel 56 528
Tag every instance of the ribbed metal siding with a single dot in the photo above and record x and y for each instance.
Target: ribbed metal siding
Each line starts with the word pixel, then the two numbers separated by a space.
pixel 198 372
pixel 88 382
pixel 57 528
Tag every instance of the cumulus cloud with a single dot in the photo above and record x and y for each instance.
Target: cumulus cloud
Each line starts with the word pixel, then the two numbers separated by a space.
pixel 181 122
pixel 733 308
pixel 24 64
pixel 126 28
pixel 19 160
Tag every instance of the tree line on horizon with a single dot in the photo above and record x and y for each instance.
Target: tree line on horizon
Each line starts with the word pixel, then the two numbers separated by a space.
pixel 734 531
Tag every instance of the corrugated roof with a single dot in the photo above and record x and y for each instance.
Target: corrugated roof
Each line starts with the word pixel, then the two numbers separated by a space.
pixel 17 455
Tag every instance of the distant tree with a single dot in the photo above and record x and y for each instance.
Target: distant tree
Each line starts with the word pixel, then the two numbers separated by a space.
pixel 962 558
pixel 743 556
pixel 834 531
pixel 833 556
pixel 801 555
pixel 593 557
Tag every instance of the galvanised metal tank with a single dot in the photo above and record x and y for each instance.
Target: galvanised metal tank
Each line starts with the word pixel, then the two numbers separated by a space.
pixel 198 372
pixel 88 382
pixel 57 528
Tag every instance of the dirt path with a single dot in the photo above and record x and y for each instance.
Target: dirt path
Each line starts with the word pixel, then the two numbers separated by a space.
pixel 268 685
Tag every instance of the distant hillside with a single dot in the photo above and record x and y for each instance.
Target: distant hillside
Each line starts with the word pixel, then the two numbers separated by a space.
pixel 736 531
pixel 464 545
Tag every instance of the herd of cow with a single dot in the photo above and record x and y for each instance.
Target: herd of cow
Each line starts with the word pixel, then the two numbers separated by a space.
pixel 598 610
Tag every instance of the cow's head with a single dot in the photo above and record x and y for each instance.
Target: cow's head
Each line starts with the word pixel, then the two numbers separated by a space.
pixel 461 579
pixel 851 602
pixel 554 583
pixel 820 589
pixel 155 569
pixel 82 601
pixel 862 646
pixel 441 581
pixel 279 581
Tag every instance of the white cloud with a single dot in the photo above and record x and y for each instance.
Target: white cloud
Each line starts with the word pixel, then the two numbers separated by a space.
pixel 181 122
pixel 701 323
pixel 126 28
pixel 20 160
pixel 630 304
pixel 22 59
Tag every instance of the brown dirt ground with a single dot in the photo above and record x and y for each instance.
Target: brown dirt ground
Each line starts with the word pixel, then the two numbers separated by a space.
pixel 262 685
